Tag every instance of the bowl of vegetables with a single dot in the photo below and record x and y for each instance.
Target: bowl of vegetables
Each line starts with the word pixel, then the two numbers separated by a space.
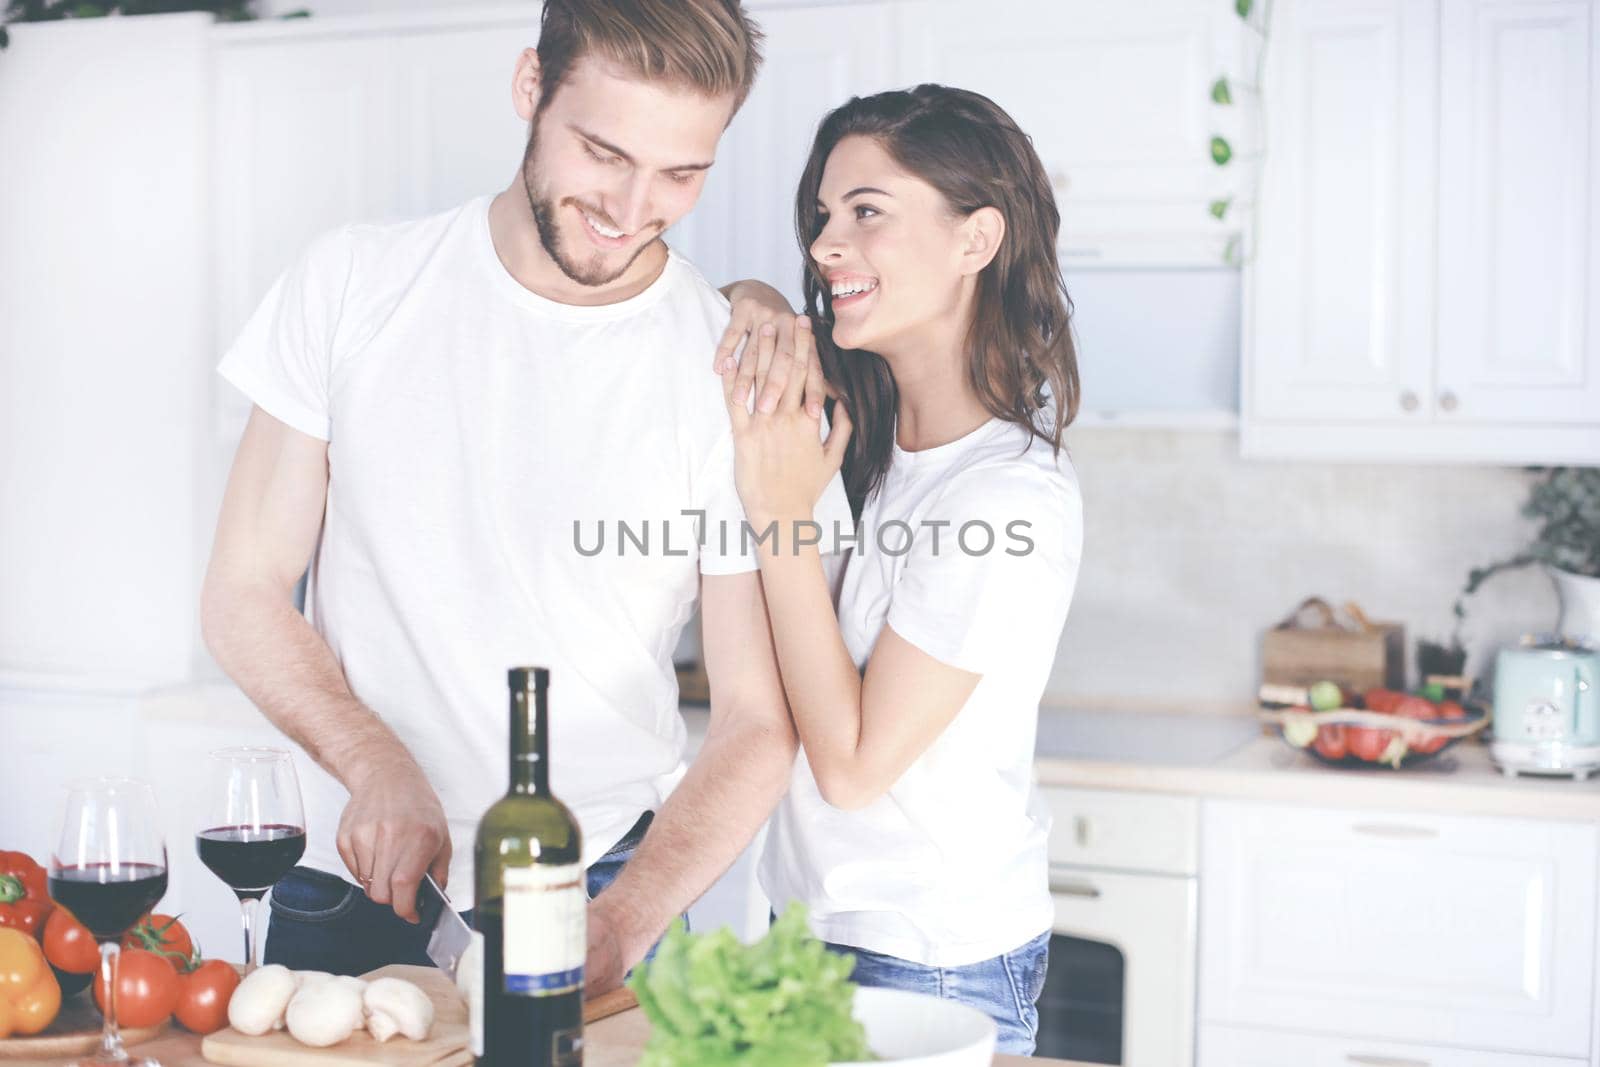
pixel 787 1001
pixel 1375 728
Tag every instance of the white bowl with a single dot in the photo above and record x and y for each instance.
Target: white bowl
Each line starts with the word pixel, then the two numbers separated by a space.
pixel 916 1030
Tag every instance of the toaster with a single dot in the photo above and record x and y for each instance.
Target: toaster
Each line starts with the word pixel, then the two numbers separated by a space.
pixel 1547 709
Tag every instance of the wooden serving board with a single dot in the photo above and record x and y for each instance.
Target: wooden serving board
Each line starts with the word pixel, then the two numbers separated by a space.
pixel 74 1032
pixel 448 1045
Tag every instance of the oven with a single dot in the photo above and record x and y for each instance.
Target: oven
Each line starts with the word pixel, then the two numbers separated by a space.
pixel 1120 988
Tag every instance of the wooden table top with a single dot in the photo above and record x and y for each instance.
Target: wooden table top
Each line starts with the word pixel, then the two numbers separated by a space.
pixel 613 1042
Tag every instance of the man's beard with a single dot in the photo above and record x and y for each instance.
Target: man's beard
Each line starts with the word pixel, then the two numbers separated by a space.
pixel 594 273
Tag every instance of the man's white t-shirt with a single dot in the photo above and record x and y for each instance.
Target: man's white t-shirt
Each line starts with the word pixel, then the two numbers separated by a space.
pixel 508 485
pixel 949 867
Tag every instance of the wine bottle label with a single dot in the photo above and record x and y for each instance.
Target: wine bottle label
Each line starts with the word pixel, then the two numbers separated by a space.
pixel 545 941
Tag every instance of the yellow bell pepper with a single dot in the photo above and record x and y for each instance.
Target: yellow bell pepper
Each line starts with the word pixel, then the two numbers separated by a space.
pixel 30 997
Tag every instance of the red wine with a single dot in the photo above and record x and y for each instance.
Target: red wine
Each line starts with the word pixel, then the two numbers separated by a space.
pixel 251 858
pixel 109 900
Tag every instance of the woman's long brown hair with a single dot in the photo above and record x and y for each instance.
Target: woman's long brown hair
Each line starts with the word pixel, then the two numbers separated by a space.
pixel 1021 359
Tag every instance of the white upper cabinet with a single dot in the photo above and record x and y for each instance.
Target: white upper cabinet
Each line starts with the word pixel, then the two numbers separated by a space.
pixel 1519 248
pixel 1341 281
pixel 1426 277
pixel 317 124
pixel 1116 99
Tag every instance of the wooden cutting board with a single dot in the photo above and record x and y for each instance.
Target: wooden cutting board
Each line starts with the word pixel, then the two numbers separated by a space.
pixel 446 1046
pixel 74 1032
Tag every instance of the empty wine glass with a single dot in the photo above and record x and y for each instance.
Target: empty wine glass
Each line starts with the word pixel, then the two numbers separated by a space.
pixel 109 867
pixel 253 828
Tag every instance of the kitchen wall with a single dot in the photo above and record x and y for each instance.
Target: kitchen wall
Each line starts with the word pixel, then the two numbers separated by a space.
pixel 1190 551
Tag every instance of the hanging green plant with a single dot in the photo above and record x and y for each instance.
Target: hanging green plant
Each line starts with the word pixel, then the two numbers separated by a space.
pixel 1222 95
pixel 55 10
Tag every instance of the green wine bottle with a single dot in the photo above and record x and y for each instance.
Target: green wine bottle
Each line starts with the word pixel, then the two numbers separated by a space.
pixel 531 904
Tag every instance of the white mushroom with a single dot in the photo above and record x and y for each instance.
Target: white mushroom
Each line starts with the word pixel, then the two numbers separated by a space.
pixel 305 978
pixel 469 969
pixel 469 982
pixel 326 1012
pixel 257 1006
pixel 396 1006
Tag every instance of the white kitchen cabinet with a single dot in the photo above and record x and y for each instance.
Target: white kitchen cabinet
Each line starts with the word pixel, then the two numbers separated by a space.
pixel 1519 213
pixel 1341 283
pixel 322 123
pixel 817 57
pixel 1425 284
pixel 1471 933
pixel 1232 1046
pixel 103 342
pixel 1116 100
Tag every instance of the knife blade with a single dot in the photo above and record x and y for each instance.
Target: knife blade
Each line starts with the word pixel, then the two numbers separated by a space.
pixel 449 936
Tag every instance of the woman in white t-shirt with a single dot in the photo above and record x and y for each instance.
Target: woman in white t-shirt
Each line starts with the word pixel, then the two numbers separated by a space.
pixel 912 830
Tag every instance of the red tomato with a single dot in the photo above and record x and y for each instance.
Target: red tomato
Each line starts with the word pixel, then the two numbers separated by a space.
pixel 1368 742
pixel 1415 707
pixel 162 934
pixel 1449 709
pixel 1381 699
pixel 203 996
pixel 68 944
pixel 147 989
pixel 1331 741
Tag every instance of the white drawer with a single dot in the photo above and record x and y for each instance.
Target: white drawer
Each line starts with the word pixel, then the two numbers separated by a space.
pixel 1124 831
pixel 1230 1046
pixel 1472 932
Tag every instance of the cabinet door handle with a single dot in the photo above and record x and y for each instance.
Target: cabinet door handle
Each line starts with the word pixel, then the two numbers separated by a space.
pixel 1447 401
pixel 1385 1061
pixel 1389 829
pixel 1408 401
pixel 1074 887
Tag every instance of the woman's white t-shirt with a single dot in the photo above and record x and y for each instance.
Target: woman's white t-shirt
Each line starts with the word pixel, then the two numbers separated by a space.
pixel 970 551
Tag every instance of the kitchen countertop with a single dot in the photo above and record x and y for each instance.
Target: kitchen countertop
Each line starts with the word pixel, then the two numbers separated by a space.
pixel 1254 766
pixel 1227 756
pixel 613 1042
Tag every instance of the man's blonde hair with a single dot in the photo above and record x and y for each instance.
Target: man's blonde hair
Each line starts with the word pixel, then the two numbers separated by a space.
pixel 709 46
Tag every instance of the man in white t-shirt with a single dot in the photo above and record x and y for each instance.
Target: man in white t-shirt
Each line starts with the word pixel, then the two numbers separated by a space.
pixel 491 436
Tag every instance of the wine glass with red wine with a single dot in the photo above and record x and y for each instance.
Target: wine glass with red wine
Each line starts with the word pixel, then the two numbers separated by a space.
pixel 254 828
pixel 109 867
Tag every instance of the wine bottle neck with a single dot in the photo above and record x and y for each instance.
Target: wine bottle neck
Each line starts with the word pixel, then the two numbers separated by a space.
pixel 530 750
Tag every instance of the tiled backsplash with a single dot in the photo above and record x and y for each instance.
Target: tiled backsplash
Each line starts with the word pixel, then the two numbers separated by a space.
pixel 1190 552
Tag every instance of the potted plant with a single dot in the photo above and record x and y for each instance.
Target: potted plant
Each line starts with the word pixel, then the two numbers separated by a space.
pixel 52 10
pixel 1567 503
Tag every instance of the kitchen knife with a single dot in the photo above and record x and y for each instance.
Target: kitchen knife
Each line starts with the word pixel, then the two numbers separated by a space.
pixel 448 934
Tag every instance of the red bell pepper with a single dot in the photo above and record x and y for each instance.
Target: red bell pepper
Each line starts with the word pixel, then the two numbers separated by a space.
pixel 24 894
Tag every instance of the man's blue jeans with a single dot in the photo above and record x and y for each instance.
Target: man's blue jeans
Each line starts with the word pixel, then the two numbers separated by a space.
pixel 320 922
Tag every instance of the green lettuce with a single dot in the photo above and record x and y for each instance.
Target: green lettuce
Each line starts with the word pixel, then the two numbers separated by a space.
pixel 784 1001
